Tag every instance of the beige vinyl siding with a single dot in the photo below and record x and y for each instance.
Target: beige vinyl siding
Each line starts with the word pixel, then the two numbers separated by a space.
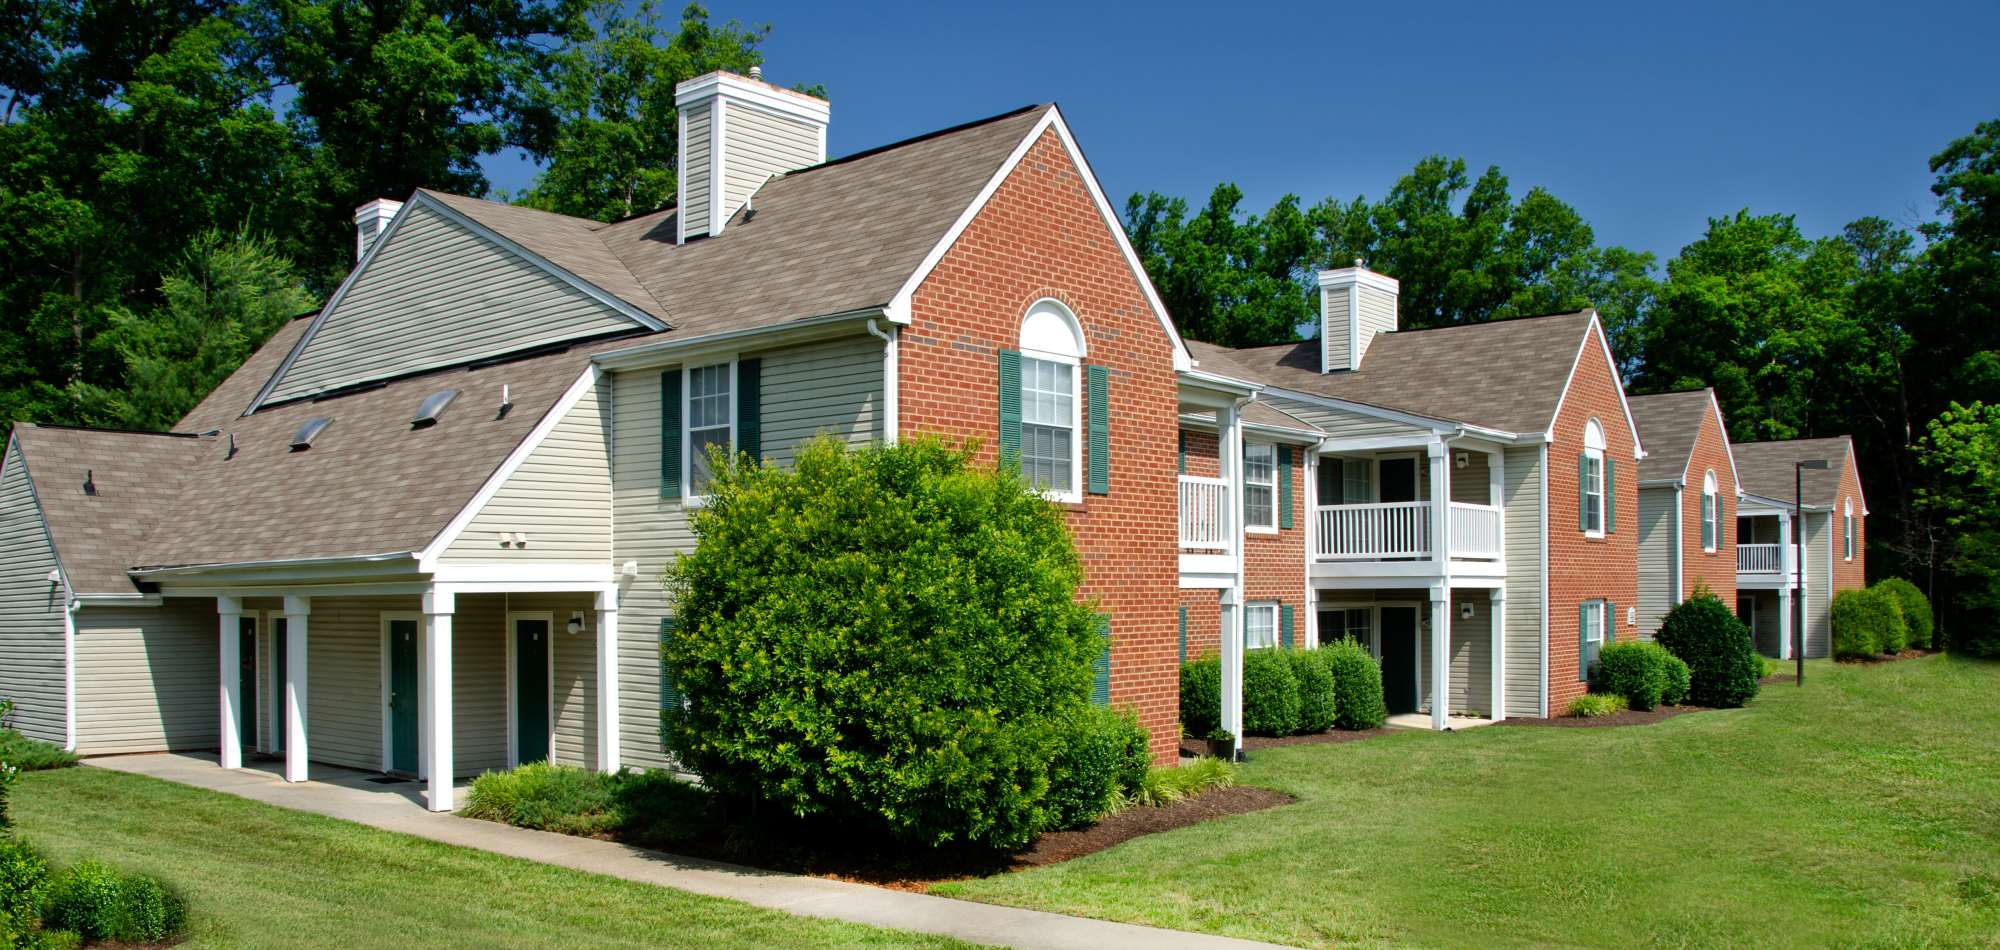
pixel 32 658
pixel 1343 424
pixel 1522 495
pixel 1657 595
pixel 696 169
pixel 1767 620
pixel 1819 584
pixel 573 674
pixel 1375 311
pixel 833 388
pixel 758 144
pixel 437 295
pixel 146 677
pixel 344 673
pixel 1335 337
pixel 560 496
pixel 1471 646
pixel 1471 485
pixel 478 684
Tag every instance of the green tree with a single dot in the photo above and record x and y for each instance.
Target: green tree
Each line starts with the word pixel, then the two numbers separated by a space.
pixel 1227 279
pixel 1961 449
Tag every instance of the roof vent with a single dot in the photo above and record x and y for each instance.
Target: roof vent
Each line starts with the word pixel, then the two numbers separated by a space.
pixel 433 407
pixel 303 439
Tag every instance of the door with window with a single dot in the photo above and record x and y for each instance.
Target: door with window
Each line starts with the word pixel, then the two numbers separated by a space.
pixel 531 689
pixel 1399 659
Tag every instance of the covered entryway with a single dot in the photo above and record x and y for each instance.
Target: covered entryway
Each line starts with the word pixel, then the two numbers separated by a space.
pixel 1399 658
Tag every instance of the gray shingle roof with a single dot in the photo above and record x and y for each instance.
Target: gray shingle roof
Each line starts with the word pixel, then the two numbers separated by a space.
pixel 1669 424
pixel 1504 374
pixel 1765 468
pixel 1263 413
pixel 138 477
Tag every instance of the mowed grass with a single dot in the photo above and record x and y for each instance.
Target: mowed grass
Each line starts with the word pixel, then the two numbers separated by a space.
pixel 1861 810
pixel 261 876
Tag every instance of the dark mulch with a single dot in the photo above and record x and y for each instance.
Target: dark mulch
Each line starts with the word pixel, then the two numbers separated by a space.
pixel 1629 717
pixel 1253 743
pixel 1057 846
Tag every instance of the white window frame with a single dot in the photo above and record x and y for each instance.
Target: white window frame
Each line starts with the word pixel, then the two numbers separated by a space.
pixel 1600 609
pixel 1847 529
pixel 1051 333
pixel 1254 607
pixel 1272 484
pixel 1714 512
pixel 1593 489
pixel 692 498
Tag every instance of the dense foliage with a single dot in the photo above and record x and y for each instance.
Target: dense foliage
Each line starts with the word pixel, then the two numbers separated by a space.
pixel 1317 710
pixel 1636 671
pixel 1867 622
pixel 1916 608
pixel 1357 685
pixel 1593 705
pixel 1679 680
pixel 1270 694
pixel 886 636
pixel 24 875
pixel 1103 759
pixel 1723 665
pixel 1201 696
pixel 98 902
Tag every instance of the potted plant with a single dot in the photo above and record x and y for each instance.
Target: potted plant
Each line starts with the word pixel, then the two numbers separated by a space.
pixel 1222 744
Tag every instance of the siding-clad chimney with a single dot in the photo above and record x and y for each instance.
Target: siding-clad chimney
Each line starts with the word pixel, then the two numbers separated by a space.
pixel 370 220
pixel 1355 304
pixel 736 133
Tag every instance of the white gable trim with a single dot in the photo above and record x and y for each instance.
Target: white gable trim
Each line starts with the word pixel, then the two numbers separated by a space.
pixel 422 199
pixel 1728 449
pixel 1853 465
pixel 1604 345
pixel 427 558
pixel 898 310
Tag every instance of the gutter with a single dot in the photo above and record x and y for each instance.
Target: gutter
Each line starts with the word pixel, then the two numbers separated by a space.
pixel 644 354
pixel 187 569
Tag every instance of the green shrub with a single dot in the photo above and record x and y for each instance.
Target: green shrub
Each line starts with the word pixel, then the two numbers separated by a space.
pixel 1636 671
pixel 560 798
pixel 1316 704
pixel 1270 694
pixel 887 637
pixel 1918 621
pixel 1167 784
pixel 1722 663
pixel 1593 705
pixel 1135 750
pixel 1201 696
pixel 1678 681
pixel 1865 622
pixel 33 755
pixel 24 874
pixel 100 902
pixel 1083 774
pixel 1357 685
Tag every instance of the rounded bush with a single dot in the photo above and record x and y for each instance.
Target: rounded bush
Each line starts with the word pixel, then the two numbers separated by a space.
pixel 1316 704
pixel 1678 680
pixel 99 902
pixel 24 874
pixel 1865 622
pixel 1201 696
pixel 1135 749
pixel 1084 771
pixel 886 637
pixel 1918 622
pixel 1723 666
pixel 1270 694
pixel 1357 685
pixel 1636 671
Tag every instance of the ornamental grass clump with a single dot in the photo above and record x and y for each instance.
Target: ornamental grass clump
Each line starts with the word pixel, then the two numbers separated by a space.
pixel 885 637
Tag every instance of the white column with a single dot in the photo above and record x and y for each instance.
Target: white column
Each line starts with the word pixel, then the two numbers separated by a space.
pixel 1498 602
pixel 1784 623
pixel 1440 505
pixel 1232 664
pixel 607 679
pixel 1440 655
pixel 1230 435
pixel 437 695
pixel 297 612
pixel 229 676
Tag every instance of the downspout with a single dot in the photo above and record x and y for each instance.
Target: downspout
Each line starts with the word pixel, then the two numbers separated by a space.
pixel 1545 580
pixel 891 401
pixel 70 607
pixel 1679 569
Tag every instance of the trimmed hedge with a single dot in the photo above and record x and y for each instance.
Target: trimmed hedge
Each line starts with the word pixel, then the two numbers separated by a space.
pixel 1678 681
pixel 100 902
pixel 1636 671
pixel 1918 622
pixel 1357 685
pixel 1201 696
pixel 1865 622
pixel 1288 691
pixel 1270 694
pixel 1723 666
pixel 1316 705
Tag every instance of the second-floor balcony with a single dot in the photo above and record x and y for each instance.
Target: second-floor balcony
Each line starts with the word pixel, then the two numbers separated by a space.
pixel 1760 558
pixel 1401 530
pixel 1204 504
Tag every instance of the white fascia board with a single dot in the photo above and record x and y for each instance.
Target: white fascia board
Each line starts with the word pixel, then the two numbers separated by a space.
pixel 1362 276
pixel 1852 464
pixel 1604 344
pixel 1381 443
pixel 672 350
pixel 742 89
pixel 899 305
pixel 427 558
pixel 515 573
pixel 116 600
pixel 1781 505
pixel 1285 433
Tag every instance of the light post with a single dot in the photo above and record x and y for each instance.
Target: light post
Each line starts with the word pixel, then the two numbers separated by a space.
pixel 1799 559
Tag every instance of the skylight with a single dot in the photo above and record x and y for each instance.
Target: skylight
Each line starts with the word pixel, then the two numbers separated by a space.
pixel 433 407
pixel 303 439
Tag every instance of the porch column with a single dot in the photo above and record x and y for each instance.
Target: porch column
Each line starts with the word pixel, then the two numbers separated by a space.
pixel 1784 623
pixel 437 696
pixel 297 611
pixel 1232 665
pixel 1440 505
pixel 607 679
pixel 1229 428
pixel 1498 602
pixel 229 676
pixel 1440 654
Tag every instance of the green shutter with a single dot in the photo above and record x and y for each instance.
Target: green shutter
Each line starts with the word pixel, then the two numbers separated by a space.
pixel 670 433
pixel 750 408
pixel 1181 452
pixel 1583 643
pixel 1583 492
pixel 1183 634
pixel 1010 408
pixel 1285 625
pixel 670 697
pixel 1610 495
pixel 1285 488
pixel 1100 431
pixel 1100 668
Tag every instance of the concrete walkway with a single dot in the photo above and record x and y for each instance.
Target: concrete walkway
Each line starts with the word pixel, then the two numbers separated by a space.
pixel 351 795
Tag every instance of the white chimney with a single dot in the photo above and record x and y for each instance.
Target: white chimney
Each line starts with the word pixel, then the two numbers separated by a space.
pixel 736 133
pixel 370 220
pixel 1355 304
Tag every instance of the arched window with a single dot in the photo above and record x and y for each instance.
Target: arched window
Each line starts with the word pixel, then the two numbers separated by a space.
pixel 1711 513
pixel 1847 528
pixel 1052 349
pixel 1592 480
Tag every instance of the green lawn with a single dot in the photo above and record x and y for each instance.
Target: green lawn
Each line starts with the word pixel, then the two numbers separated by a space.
pixel 1864 809
pixel 260 876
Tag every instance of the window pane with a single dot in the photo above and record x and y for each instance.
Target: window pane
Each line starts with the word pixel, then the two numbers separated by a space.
pixel 1357 623
pixel 1048 424
pixel 1357 485
pixel 1260 627
pixel 1259 463
pixel 1257 506
pixel 1593 487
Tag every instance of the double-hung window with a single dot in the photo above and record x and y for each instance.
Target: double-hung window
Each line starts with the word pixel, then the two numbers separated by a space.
pixel 1260 485
pixel 1592 477
pixel 1847 529
pixel 1260 626
pixel 1594 635
pixel 710 419
pixel 1048 425
pixel 1711 514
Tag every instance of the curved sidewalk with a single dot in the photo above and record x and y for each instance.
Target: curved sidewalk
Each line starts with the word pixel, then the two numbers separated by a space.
pixel 352 796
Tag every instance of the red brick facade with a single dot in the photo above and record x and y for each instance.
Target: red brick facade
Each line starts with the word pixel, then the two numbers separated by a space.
pixel 1848 575
pixel 1583 568
pixel 1041 235
pixel 1274 567
pixel 1716 569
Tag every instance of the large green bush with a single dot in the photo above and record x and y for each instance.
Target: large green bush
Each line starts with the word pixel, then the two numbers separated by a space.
pixel 1104 758
pixel 887 636
pixel 1317 711
pixel 1679 678
pixel 1723 665
pixel 1918 621
pixel 1357 685
pixel 1201 696
pixel 1270 694
pixel 560 798
pixel 1865 622
pixel 99 902
pixel 1636 671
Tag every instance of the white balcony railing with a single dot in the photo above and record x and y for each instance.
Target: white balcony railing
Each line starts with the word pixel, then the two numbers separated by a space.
pixel 1760 558
pixel 1399 529
pixel 1204 513
pixel 1475 531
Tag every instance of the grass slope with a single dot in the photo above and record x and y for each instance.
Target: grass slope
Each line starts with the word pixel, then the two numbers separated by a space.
pixel 261 876
pixel 1864 809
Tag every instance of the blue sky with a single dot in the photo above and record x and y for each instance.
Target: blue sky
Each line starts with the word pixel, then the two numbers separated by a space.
pixel 1649 119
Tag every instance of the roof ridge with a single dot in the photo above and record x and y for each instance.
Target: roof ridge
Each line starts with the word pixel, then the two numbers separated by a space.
pixel 917 139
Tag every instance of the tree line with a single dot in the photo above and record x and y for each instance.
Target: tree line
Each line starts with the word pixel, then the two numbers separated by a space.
pixel 1882 332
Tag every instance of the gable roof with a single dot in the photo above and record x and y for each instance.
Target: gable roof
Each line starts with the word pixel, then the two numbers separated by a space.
pixel 138 479
pixel 1670 424
pixel 1765 469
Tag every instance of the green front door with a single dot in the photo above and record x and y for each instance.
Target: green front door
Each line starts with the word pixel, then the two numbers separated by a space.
pixel 246 679
pixel 531 690
pixel 278 685
pixel 1399 659
pixel 403 696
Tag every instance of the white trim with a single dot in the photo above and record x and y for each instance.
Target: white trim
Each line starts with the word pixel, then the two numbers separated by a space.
pixel 747 91
pixel 384 618
pixel 1354 325
pixel 69 675
pixel 718 177
pixel 892 409
pixel 521 577
pixel 1604 344
pixel 1677 571
pixel 899 305
pixel 1358 276
pixel 1846 534
pixel 1074 493
pixel 1728 448
pixel 680 181
pixel 1711 493
pixel 427 558
pixel 548 618
pixel 1595 453
pixel 1277 635
pixel 1248 527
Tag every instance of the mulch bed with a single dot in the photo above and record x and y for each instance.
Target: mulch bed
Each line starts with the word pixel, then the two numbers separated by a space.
pixel 1055 847
pixel 1629 717
pixel 1253 743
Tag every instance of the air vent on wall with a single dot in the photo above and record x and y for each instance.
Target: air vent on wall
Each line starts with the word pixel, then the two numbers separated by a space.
pixel 434 406
pixel 303 439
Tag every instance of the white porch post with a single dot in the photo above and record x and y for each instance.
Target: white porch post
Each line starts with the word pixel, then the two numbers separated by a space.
pixel 1232 665
pixel 437 696
pixel 297 612
pixel 1440 505
pixel 1784 623
pixel 607 679
pixel 229 610
pixel 1440 655
pixel 1498 624
pixel 1788 561
pixel 1230 443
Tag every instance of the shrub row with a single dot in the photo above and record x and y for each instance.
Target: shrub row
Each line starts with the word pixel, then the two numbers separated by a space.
pixel 1289 691
pixel 88 903
pixel 1884 618
pixel 1723 665
pixel 1645 674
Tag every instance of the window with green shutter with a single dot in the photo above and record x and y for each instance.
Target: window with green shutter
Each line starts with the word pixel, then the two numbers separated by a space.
pixel 1010 407
pixel 1285 487
pixel 1610 495
pixel 1100 668
pixel 670 433
pixel 1285 619
pixel 750 407
pixel 1099 399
